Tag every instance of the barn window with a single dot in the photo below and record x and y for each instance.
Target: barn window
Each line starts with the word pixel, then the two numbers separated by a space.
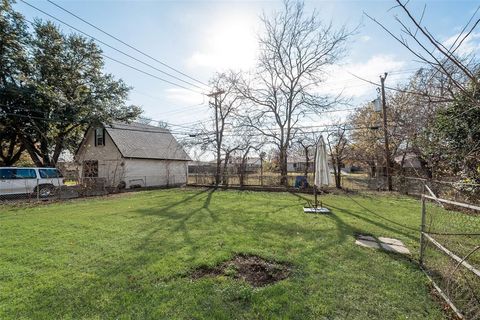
pixel 99 137
pixel 90 168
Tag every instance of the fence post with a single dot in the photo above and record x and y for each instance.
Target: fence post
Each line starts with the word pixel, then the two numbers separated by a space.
pixel 422 230
pixel 38 191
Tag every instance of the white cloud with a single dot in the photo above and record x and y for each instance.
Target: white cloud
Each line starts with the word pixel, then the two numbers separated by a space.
pixel 470 45
pixel 229 42
pixel 342 79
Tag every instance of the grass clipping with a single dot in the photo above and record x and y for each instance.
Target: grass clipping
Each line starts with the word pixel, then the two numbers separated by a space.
pixel 254 270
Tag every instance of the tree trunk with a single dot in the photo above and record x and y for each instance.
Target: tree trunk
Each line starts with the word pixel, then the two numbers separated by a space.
pixel 30 147
pixel 225 170
pixel 307 160
pixel 218 169
pixel 338 175
pixel 283 167
pixel 242 174
pixel 425 167
pixel 58 148
pixel 261 171
pixel 12 156
pixel 373 170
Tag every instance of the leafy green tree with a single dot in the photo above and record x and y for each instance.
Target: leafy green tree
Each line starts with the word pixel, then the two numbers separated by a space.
pixel 458 125
pixel 14 69
pixel 71 91
pixel 52 88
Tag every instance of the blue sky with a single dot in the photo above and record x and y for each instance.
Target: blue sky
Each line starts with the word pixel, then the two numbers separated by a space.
pixel 202 37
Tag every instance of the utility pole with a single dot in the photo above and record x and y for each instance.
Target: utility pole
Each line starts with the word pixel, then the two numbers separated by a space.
pixel 385 133
pixel 218 134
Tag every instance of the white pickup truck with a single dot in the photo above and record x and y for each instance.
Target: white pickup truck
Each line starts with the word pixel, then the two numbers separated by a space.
pixel 36 181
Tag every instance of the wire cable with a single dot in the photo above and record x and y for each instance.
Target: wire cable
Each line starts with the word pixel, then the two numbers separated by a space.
pixel 119 51
pixel 126 44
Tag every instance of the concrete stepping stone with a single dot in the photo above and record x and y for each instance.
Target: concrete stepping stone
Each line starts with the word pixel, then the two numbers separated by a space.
pixel 394 248
pixel 391 241
pixel 367 243
pixel 387 244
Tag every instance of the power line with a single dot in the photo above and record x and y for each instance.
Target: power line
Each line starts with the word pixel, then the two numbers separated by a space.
pixel 181 126
pixel 63 120
pixel 401 90
pixel 185 109
pixel 301 133
pixel 126 44
pixel 118 50
pixel 148 73
pixel 193 134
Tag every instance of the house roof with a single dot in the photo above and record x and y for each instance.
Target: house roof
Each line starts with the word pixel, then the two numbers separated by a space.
pixel 298 159
pixel 136 140
pixel 411 160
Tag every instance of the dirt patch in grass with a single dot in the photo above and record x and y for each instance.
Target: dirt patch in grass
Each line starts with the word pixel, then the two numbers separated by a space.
pixel 253 269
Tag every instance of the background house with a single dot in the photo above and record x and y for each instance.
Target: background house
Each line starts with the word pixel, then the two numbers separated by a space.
pixel 131 155
pixel 298 164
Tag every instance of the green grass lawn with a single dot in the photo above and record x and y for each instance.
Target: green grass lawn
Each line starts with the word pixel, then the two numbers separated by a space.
pixel 130 256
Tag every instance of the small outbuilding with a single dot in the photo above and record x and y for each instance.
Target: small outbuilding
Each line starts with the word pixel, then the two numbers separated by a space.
pixel 128 155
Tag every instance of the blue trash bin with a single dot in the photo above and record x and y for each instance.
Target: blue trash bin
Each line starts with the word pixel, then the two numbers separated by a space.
pixel 301 182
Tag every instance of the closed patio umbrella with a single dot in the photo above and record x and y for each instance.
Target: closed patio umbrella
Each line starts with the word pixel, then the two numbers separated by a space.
pixel 322 173
pixel 322 176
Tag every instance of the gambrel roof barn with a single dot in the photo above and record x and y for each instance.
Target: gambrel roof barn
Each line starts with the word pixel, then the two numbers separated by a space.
pixel 132 154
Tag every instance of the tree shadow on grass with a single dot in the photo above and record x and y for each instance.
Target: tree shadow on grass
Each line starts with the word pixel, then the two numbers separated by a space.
pixel 128 270
pixel 375 223
pixel 136 258
pixel 346 228
pixel 180 218
pixel 162 210
pixel 343 229
pixel 382 217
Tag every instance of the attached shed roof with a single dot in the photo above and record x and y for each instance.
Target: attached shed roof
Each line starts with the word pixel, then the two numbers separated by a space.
pixel 136 140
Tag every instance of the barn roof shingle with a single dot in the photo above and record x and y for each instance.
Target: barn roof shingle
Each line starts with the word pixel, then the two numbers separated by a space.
pixel 136 140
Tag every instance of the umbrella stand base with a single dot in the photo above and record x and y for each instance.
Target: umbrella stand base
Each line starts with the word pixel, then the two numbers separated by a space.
pixel 315 210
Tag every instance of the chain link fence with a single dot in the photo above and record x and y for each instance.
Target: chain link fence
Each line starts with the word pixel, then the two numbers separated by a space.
pixel 251 179
pixel 450 252
pixel 456 190
pixel 21 189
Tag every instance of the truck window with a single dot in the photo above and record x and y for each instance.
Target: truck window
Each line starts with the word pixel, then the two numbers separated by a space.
pixel 14 173
pixel 25 174
pixel 6 174
pixel 49 173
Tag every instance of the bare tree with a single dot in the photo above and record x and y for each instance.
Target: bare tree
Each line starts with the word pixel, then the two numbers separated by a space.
pixel 307 142
pixel 337 146
pixel 262 157
pixel 444 58
pixel 227 102
pixel 366 147
pixel 250 142
pixel 295 50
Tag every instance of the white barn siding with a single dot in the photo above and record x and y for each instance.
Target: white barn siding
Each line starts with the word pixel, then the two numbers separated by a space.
pixel 151 172
pixel 133 154
pixel 109 158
